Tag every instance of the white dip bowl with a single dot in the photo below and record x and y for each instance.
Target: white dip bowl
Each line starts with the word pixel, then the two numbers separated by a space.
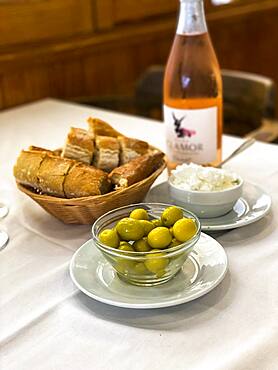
pixel 205 203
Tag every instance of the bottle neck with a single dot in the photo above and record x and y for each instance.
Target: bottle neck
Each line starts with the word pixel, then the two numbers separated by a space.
pixel 192 18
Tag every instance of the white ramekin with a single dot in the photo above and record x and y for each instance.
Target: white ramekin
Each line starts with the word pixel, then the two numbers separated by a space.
pixel 206 204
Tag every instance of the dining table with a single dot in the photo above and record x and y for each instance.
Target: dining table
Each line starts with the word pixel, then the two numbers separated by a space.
pixel 47 323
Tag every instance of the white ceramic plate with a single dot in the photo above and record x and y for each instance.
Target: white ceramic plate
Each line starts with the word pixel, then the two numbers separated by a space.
pixel 203 271
pixel 4 238
pixel 252 206
pixel 4 210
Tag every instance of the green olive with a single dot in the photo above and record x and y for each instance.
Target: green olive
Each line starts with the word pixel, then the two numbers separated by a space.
pixel 147 225
pixel 126 247
pixel 110 238
pixel 184 229
pixel 171 215
pixel 156 222
pixel 140 269
pixel 130 229
pixel 139 214
pixel 141 245
pixel 160 273
pixel 124 265
pixel 156 262
pixel 123 243
pixel 174 243
pixel 159 238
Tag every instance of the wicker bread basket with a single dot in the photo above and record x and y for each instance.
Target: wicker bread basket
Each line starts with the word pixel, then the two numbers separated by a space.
pixel 87 209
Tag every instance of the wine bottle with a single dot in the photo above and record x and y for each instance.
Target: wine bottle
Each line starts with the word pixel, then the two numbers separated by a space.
pixel 193 101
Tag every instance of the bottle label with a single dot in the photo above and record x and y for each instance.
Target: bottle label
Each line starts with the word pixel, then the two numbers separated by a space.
pixel 191 134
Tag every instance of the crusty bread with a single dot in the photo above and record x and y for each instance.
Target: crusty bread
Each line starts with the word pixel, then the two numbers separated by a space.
pixel 82 181
pixel 67 174
pixel 42 171
pixel 136 170
pixel 52 174
pixel 107 152
pixel 56 152
pixel 27 167
pixel 79 145
pixel 58 176
pixel 100 128
pixel 33 148
pixel 131 148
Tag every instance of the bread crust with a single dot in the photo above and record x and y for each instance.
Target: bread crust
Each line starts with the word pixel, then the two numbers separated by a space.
pixel 100 128
pixel 79 145
pixel 67 173
pixel 55 152
pixel 27 167
pixel 136 170
pixel 52 174
pixel 33 148
pixel 107 152
pixel 83 181
pixel 131 148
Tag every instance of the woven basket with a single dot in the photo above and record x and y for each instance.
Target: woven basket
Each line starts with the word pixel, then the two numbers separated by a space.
pixel 87 209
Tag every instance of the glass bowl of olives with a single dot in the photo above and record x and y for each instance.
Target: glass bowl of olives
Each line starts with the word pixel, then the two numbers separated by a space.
pixel 146 243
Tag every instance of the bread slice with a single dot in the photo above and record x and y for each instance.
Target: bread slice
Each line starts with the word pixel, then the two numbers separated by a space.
pixel 107 153
pixel 83 181
pixel 52 174
pixel 27 167
pixel 136 170
pixel 55 152
pixel 79 145
pixel 131 148
pixel 33 148
pixel 98 127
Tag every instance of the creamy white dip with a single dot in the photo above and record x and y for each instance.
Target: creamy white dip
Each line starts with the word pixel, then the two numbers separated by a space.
pixel 198 178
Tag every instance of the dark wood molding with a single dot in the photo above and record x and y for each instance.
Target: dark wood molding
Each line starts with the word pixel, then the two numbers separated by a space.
pixel 115 41
pixel 41 53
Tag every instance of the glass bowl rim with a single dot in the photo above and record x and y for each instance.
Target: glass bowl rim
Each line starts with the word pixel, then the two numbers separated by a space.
pixel 134 254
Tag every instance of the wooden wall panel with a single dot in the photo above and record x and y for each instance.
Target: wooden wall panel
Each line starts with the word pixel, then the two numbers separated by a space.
pixel 126 10
pixel 247 39
pixel 104 14
pixel 33 20
pixel 66 79
pixel 23 86
pixel 2 105
pixel 128 37
pixel 120 37
pixel 114 12
pixel 238 8
pixel 14 89
pixel 100 71
pixel 99 75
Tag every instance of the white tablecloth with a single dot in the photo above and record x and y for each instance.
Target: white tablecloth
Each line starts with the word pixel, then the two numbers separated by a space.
pixel 47 324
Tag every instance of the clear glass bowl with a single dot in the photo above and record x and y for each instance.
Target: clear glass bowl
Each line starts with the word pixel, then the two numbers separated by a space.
pixel 131 266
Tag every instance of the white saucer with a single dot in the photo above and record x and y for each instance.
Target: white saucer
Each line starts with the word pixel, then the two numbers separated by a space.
pixel 252 206
pixel 4 210
pixel 203 271
pixel 4 238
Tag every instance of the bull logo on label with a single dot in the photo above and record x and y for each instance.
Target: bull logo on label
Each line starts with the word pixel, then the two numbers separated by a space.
pixel 181 131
